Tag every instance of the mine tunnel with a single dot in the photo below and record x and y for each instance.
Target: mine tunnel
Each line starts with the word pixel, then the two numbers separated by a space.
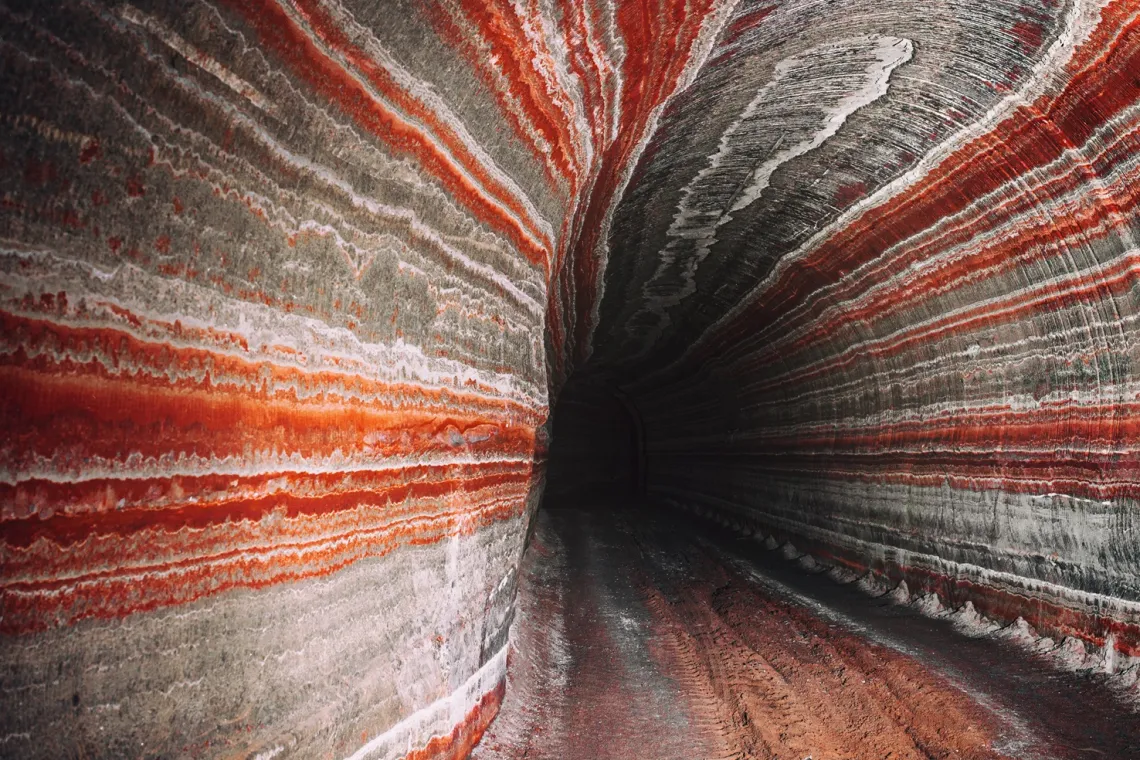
pixel 570 379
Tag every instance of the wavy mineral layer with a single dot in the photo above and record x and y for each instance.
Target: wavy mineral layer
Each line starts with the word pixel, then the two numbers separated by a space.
pixel 287 286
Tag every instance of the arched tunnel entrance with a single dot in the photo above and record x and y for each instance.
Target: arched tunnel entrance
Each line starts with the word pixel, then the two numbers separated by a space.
pixel 597 450
pixel 667 379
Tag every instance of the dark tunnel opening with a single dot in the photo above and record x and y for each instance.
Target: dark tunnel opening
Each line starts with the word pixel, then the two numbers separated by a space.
pixel 597 449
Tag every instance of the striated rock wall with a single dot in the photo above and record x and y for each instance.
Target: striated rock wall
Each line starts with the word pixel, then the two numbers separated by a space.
pixel 275 280
pixel 286 287
pixel 878 295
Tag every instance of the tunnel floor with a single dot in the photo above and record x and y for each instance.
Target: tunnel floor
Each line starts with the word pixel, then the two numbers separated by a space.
pixel 654 635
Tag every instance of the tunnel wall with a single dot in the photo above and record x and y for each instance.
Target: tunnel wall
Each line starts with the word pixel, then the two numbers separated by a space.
pixel 275 281
pixel 878 297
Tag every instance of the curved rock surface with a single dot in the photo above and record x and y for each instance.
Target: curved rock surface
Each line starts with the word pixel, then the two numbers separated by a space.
pixel 288 287
pixel 881 298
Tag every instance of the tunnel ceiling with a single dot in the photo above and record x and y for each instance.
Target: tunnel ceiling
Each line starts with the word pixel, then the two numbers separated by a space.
pixel 288 288
pixel 843 189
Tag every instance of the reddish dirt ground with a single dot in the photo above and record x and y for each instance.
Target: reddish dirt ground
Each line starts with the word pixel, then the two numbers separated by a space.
pixel 640 638
pixel 781 683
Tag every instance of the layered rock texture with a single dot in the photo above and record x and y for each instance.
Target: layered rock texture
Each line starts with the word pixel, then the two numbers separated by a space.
pixel 288 286
pixel 879 294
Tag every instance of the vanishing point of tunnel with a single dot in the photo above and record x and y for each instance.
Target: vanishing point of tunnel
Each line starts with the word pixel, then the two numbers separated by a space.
pixel 570 379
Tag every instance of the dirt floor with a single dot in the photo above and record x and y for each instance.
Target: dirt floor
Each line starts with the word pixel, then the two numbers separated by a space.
pixel 649 636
